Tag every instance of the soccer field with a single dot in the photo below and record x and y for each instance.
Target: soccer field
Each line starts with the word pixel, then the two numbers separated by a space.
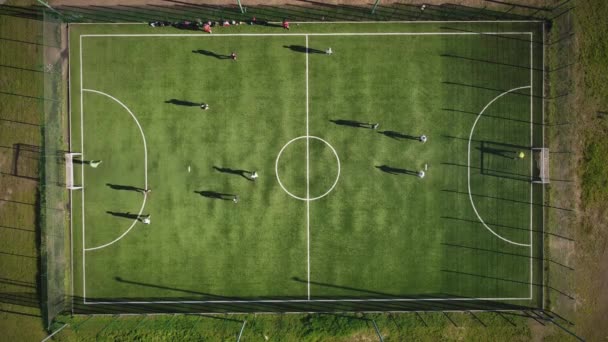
pixel 338 218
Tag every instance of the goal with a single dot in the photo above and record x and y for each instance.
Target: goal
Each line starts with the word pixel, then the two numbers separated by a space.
pixel 69 171
pixel 541 159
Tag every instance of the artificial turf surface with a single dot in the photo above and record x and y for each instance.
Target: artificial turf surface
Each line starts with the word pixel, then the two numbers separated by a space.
pixel 381 232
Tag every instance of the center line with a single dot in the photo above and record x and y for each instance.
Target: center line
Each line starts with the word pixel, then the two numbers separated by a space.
pixel 307 178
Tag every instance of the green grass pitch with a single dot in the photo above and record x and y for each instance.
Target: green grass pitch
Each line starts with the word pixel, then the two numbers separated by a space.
pixel 469 232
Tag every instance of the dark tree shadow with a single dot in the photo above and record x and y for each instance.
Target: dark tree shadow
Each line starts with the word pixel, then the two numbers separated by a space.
pixel 303 49
pixel 396 171
pixel 183 103
pixel 509 154
pixel 125 215
pixel 352 123
pixel 242 173
pixel 216 195
pixel 124 187
pixel 211 54
pixel 398 136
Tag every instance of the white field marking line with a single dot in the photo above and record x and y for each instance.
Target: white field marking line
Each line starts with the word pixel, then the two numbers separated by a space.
pixel 531 162
pixel 302 34
pixel 276 168
pixel 206 313
pixel 84 285
pixel 307 301
pixel 357 22
pixel 53 334
pixel 145 169
pixel 543 188
pixel 71 195
pixel 238 339
pixel 469 167
pixel 307 178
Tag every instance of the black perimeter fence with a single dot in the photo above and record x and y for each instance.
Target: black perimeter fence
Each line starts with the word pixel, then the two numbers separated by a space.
pixel 55 243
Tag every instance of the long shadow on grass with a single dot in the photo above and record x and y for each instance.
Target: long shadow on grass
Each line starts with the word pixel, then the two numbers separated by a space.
pixel 382 294
pixel 506 280
pixel 121 280
pixel 125 215
pixel 396 171
pixel 124 187
pixel 242 173
pixel 183 103
pixel 398 135
pixel 211 54
pixel 352 123
pixel 303 49
pixel 216 195
pixel 504 253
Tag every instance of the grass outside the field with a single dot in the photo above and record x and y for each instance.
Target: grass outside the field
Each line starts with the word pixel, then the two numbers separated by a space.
pixel 377 234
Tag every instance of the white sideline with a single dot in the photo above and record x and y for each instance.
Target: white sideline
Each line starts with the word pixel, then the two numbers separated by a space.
pixel 469 167
pixel 145 170
pixel 354 300
pixel 354 22
pixel 303 34
pixel 307 135
pixel 307 179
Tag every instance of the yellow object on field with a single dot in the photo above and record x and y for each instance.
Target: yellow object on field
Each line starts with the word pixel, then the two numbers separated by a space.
pixel 522 155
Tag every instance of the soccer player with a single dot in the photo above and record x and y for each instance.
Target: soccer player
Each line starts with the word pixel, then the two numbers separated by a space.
pixel 328 51
pixel 254 175
pixel 422 138
pixel 207 28
pixel 235 199
pixel 285 24
pixel 146 191
pixel 204 106
pixel 233 56
pixel 374 125
pixel 145 219
pixel 421 174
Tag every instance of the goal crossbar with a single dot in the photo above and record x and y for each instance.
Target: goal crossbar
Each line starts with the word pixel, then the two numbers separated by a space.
pixel 69 171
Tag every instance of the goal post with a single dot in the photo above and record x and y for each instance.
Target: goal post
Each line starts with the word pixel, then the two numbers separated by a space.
pixel 69 171
pixel 541 159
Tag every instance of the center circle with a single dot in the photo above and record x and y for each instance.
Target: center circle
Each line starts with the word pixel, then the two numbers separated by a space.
pixel 307 198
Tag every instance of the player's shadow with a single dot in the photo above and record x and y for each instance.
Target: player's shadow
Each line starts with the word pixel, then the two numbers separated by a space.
pixel 396 171
pixel 183 103
pixel 124 187
pixel 351 123
pixel 215 195
pixel 211 54
pixel 125 215
pixel 303 49
pixel 242 173
pixel 398 135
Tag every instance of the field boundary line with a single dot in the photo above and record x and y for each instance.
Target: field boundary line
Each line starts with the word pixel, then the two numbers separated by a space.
pixel 84 285
pixel 303 301
pixel 145 170
pixel 307 178
pixel 355 22
pixel 469 168
pixel 302 34
pixel 531 162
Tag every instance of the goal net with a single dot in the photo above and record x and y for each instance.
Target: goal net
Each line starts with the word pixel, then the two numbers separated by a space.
pixel 541 158
pixel 69 171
